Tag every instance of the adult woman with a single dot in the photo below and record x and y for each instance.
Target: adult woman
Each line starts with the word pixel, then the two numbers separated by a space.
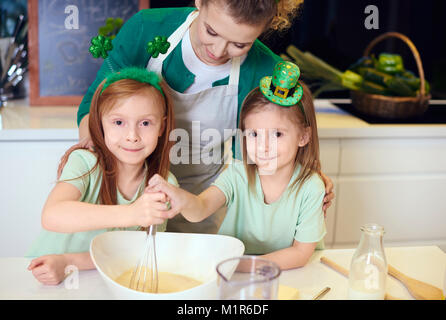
pixel 213 61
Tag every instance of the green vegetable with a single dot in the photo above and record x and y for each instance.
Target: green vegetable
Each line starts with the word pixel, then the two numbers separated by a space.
pixel 426 90
pixel 408 74
pixel 427 86
pixel 390 63
pixel 373 88
pixel 415 83
pixel 398 87
pixel 364 62
pixel 373 75
pixel 351 80
pixel 383 76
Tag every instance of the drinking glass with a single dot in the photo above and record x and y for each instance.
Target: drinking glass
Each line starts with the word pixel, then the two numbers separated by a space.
pixel 248 278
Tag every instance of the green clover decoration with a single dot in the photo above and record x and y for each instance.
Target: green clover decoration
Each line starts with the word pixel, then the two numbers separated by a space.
pixel 100 46
pixel 158 45
pixel 111 27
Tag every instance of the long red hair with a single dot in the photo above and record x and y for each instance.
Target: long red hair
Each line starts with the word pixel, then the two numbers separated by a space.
pixel 101 103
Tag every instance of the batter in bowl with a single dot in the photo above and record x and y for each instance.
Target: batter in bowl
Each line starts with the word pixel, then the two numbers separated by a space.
pixel 167 282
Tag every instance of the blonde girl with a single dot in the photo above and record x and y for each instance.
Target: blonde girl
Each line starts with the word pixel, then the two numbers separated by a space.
pixel 130 121
pixel 274 196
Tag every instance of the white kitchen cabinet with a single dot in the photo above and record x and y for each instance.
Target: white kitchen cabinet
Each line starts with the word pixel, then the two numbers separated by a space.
pixel 411 207
pixel 398 183
pixel 393 156
pixel 330 156
pixel 28 171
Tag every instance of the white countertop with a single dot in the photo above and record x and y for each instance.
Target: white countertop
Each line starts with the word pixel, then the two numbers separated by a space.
pixel 19 121
pixel 427 264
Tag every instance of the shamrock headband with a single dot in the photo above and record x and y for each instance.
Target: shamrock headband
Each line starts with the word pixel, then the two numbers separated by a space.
pixel 134 73
pixel 283 88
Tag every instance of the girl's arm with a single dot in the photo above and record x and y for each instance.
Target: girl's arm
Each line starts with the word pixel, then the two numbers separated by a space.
pixel 203 205
pixel 193 208
pixel 63 212
pixel 50 269
pixel 293 257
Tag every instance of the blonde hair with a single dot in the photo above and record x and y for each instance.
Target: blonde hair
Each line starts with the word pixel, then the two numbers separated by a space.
pixel 287 10
pixel 277 16
pixel 307 156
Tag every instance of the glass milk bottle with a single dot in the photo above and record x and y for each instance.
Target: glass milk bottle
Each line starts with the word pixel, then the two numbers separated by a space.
pixel 368 269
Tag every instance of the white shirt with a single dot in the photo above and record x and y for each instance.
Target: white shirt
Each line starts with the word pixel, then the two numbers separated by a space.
pixel 205 75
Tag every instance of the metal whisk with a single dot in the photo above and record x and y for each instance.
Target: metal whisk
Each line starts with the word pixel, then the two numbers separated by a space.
pixel 145 275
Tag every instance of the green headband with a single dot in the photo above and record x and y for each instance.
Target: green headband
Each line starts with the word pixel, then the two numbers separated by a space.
pixel 134 73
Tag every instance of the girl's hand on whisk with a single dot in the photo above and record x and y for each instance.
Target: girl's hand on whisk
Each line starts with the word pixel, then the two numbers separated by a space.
pixel 148 209
pixel 175 196
pixel 194 208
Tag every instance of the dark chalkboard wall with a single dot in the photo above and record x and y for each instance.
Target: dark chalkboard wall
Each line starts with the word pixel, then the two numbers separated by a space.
pixel 65 28
pixel 66 65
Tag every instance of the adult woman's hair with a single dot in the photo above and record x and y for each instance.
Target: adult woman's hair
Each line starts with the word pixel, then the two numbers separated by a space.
pixel 277 15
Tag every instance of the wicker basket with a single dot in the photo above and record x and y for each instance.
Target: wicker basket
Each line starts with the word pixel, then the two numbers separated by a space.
pixel 393 107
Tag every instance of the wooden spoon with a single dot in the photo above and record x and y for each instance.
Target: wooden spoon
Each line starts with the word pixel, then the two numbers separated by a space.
pixel 344 272
pixel 418 289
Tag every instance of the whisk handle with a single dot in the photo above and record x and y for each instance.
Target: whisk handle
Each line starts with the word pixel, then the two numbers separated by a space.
pixel 151 230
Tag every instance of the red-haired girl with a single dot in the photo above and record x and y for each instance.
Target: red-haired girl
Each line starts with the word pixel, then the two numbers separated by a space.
pixel 130 120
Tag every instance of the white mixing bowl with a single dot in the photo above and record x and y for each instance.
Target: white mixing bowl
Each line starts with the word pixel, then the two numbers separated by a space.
pixel 190 254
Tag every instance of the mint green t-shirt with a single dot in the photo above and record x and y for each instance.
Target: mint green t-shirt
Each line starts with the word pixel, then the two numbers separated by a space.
pixel 264 228
pixel 79 162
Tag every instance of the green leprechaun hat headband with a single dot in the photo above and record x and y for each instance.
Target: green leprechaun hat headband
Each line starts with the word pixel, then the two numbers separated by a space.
pixel 283 88
pixel 134 73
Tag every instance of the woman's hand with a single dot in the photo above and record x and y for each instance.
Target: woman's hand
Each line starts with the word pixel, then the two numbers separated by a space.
pixel 49 269
pixel 150 208
pixel 329 194
pixel 84 133
pixel 85 142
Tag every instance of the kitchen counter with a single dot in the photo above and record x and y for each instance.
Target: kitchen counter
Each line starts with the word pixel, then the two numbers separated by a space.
pixel 19 121
pixel 427 264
